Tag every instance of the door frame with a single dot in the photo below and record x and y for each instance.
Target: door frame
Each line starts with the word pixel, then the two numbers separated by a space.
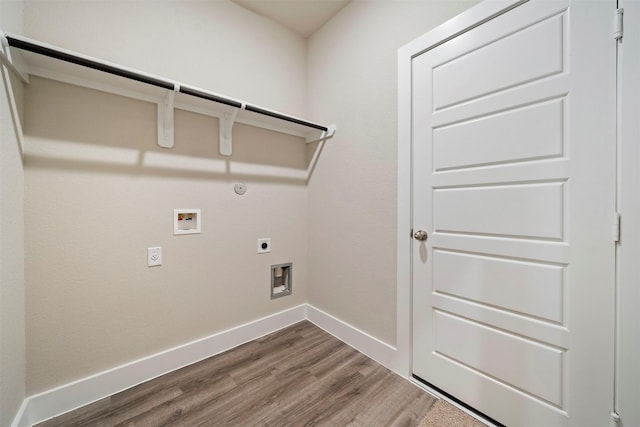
pixel 460 24
pixel 627 401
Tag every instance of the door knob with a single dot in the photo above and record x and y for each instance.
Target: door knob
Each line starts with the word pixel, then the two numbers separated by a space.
pixel 420 235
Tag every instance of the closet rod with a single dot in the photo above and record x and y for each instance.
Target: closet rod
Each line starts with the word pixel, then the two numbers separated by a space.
pixel 85 62
pixel 51 52
pixel 283 117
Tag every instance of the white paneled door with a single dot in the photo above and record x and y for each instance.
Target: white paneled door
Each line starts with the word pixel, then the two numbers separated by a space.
pixel 514 179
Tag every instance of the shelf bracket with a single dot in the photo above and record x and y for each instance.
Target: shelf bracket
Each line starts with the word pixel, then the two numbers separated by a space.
pixel 226 131
pixel 21 71
pixel 13 60
pixel 165 118
pixel 322 135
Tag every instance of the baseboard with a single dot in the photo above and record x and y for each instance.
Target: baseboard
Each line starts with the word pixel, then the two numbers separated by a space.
pixel 57 401
pixel 21 415
pixel 366 344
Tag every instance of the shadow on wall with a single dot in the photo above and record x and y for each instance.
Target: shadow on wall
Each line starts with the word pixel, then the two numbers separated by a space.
pixel 74 128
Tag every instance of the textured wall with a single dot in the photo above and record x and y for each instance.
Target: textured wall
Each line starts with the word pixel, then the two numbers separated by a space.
pixel 352 80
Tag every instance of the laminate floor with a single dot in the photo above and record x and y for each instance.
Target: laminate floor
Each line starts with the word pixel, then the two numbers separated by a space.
pixel 299 376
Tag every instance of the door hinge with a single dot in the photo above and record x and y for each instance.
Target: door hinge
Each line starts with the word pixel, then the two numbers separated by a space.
pixel 615 419
pixel 617 24
pixel 616 227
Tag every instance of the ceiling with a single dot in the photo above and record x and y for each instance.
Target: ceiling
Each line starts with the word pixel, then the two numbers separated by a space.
pixel 302 16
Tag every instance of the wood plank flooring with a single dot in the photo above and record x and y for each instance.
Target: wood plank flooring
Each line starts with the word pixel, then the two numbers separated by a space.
pixel 299 376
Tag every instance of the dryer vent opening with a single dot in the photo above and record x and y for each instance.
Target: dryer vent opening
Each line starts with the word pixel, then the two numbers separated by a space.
pixel 281 282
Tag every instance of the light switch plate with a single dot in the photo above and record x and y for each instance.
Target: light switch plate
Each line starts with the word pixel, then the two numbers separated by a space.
pixel 154 256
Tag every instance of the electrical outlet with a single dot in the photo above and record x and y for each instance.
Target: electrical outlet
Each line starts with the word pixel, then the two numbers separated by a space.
pixel 154 256
pixel 264 245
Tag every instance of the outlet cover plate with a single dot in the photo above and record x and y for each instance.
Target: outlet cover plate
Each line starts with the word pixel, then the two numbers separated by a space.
pixel 154 256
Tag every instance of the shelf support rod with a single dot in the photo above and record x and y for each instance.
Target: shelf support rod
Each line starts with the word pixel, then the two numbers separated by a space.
pixel 165 118
pixel 226 131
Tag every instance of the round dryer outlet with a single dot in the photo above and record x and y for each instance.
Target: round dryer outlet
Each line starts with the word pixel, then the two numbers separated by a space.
pixel 264 245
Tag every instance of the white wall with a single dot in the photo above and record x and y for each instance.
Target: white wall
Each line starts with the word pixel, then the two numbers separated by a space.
pixel 12 311
pixel 91 301
pixel 216 45
pixel 99 191
pixel 352 64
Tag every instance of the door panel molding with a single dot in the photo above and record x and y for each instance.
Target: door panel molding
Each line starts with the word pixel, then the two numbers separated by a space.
pixel 460 24
pixel 487 205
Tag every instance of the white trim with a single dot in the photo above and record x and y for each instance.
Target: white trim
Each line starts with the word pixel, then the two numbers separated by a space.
pixel 627 398
pixel 65 398
pixel 469 19
pixel 404 220
pixel 57 401
pixel 21 418
pixel 457 25
pixel 366 344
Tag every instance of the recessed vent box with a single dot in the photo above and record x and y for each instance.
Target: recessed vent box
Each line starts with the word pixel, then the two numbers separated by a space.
pixel 281 280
